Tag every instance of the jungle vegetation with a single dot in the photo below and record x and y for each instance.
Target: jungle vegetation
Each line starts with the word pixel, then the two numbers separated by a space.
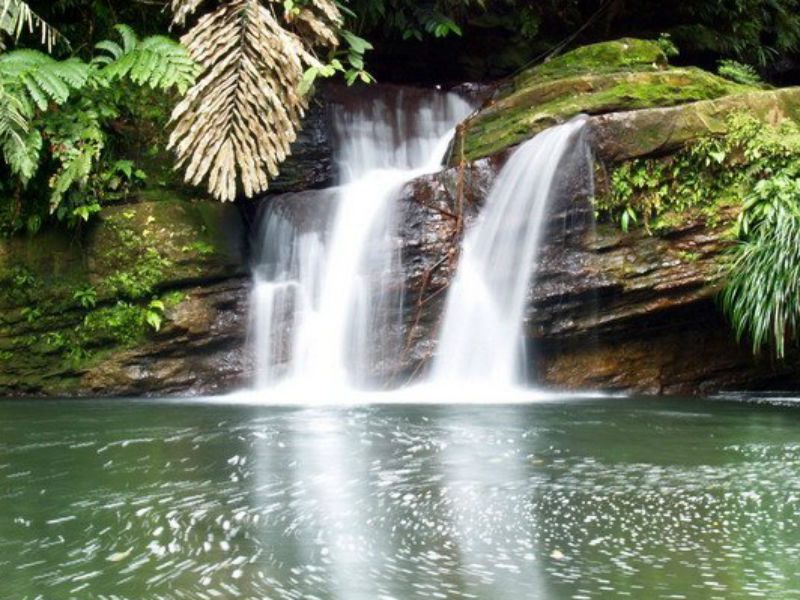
pixel 238 87
pixel 99 98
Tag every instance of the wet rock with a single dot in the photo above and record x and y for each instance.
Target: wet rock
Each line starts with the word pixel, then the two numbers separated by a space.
pixel 202 349
pixel 608 310
pixel 310 164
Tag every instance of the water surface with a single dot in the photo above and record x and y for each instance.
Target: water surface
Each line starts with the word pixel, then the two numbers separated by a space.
pixel 569 499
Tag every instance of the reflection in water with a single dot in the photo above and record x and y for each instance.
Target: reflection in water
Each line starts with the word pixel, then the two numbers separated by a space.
pixel 489 491
pixel 590 499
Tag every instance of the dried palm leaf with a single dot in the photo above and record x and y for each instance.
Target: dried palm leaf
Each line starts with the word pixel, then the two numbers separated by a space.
pixel 183 9
pixel 16 16
pixel 235 126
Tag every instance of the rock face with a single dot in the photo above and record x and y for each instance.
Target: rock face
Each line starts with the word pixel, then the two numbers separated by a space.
pixel 152 299
pixel 202 349
pixel 609 310
pixel 311 162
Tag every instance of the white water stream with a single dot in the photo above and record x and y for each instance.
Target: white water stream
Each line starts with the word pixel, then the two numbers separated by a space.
pixel 325 287
pixel 333 280
pixel 481 338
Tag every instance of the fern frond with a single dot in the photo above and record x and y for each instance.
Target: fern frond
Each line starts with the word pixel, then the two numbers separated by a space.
pixel 129 38
pixel 21 154
pixel 16 142
pixel 113 49
pixel 13 116
pixel 39 79
pixel 78 142
pixel 156 61
pixel 16 16
pixel 241 117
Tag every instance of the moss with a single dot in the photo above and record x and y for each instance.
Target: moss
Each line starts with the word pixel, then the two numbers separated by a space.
pixel 706 181
pixel 520 116
pixel 122 324
pixel 627 54
pixel 687 256
pixel 67 301
pixel 621 75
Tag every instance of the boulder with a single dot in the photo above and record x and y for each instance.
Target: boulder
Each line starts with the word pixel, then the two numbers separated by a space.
pixel 602 78
pixel 625 135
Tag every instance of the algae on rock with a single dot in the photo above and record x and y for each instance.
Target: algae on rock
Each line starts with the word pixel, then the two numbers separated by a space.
pixel 602 78
pixel 68 303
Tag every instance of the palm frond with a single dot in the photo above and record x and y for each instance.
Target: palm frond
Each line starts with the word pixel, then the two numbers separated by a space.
pixel 16 17
pixel 183 9
pixel 240 118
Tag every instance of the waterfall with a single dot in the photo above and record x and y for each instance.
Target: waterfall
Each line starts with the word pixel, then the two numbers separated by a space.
pixel 481 336
pixel 326 285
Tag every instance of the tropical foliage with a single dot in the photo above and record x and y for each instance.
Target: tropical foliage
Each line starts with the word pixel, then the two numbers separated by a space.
pixel 16 17
pixel 56 115
pixel 259 59
pixel 764 282
pixel 755 169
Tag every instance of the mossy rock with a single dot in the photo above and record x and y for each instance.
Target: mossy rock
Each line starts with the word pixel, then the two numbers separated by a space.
pixel 194 240
pixel 185 241
pixel 627 54
pixel 603 78
pixel 624 136
pixel 50 334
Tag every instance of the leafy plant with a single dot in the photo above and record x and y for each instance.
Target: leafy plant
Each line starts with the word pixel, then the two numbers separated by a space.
pixel 86 297
pixel 711 170
pixel 31 314
pixel 57 114
pixel 156 61
pixel 738 72
pixel 154 314
pixel 763 285
pixel 756 167
pixel 667 45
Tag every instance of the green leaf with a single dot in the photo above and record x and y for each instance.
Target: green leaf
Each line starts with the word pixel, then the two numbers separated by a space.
pixel 154 320
pixel 357 44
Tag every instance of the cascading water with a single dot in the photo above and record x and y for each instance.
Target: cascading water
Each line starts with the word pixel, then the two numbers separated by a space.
pixel 481 334
pixel 321 289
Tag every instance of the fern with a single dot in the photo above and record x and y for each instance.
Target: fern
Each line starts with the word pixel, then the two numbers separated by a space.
pixel 236 124
pixel 156 61
pixel 32 83
pixel 22 154
pixel 39 79
pixel 14 121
